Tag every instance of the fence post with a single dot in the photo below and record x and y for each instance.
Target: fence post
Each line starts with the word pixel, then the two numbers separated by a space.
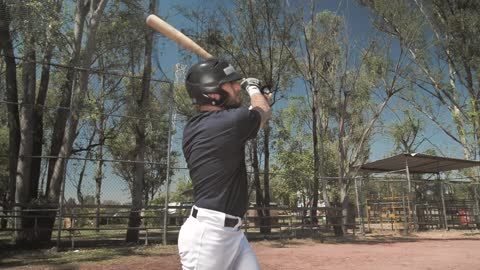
pixel 145 226
pixel 443 205
pixel 60 206
pixel 476 204
pixel 72 229
pixel 167 182
pixel 405 221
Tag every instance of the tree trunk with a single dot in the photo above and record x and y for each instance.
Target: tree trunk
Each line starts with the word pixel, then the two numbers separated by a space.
pixel 61 116
pixel 98 187
pixel 82 171
pixel 316 160
pixel 258 188
pixel 39 105
pixel 342 106
pixel 6 47
pixel 140 134
pixel 99 171
pixel 81 175
pixel 323 179
pixel 70 132
pixel 345 207
pixel 23 193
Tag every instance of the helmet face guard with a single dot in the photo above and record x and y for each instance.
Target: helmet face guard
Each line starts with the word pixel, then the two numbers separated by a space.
pixel 206 78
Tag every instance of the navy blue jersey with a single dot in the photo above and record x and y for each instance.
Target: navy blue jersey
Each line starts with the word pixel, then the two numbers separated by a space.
pixel 214 148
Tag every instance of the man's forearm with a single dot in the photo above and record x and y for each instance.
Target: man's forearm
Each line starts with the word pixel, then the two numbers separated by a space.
pixel 260 103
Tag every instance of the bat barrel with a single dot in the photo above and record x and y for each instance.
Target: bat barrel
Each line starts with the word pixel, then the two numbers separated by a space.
pixel 169 31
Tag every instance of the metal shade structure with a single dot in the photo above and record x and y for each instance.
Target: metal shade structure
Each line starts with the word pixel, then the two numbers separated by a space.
pixel 417 163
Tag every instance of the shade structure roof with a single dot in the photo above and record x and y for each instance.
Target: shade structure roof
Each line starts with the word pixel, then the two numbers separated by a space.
pixel 417 163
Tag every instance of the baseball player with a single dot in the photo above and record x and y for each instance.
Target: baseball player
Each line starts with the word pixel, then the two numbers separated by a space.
pixel 214 148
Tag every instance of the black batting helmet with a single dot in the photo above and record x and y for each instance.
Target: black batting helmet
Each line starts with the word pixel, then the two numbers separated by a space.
pixel 206 77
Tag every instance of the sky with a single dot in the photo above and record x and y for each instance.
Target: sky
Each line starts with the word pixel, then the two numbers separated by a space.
pixel 359 28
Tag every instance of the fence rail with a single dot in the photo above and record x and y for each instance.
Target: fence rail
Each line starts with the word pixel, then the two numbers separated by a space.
pixel 82 224
pixel 110 223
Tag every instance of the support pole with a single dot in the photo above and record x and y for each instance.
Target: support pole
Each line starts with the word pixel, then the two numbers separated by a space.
pixel 443 203
pixel 167 182
pixel 410 197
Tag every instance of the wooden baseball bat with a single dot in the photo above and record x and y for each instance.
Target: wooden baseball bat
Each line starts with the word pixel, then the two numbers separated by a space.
pixel 169 31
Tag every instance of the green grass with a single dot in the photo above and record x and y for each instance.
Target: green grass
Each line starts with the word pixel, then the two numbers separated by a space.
pixel 51 257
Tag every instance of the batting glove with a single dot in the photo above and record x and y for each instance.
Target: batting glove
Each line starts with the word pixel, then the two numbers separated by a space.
pixel 251 85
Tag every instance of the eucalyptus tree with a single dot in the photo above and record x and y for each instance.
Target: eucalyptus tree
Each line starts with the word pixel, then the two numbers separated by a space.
pixel 142 160
pixel 30 37
pixel 294 170
pixel 313 63
pixel 88 13
pixel 99 126
pixel 143 104
pixel 40 34
pixel 51 41
pixel 350 87
pixel 95 13
pixel 124 149
pixel 291 183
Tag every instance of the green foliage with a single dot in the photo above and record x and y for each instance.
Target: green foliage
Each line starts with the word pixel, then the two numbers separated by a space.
pixel 183 191
pixel 294 154
pixel 183 102
pixel 442 40
pixel 398 18
pixel 406 134
pixel 123 145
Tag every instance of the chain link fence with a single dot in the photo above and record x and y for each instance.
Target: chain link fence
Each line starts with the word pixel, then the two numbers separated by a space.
pixel 96 198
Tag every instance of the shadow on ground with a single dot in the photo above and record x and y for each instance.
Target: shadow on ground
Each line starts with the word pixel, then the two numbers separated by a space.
pixel 65 260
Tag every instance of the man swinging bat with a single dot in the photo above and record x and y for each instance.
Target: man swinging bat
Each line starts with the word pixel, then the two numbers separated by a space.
pixel 214 148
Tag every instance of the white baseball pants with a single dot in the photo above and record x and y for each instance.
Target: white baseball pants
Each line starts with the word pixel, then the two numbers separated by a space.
pixel 205 243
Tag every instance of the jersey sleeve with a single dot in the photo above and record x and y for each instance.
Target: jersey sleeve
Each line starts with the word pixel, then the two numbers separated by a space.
pixel 247 123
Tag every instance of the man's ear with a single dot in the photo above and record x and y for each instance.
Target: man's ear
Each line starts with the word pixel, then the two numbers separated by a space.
pixel 214 96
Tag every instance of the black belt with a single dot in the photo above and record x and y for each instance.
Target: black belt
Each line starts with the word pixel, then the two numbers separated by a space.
pixel 229 222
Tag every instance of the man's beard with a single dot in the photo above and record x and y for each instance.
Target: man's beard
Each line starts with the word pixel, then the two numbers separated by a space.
pixel 232 103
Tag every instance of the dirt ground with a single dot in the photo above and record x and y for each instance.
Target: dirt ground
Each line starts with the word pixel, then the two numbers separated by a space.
pixel 433 250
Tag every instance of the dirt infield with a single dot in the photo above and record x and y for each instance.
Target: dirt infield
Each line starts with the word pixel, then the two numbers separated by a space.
pixel 435 250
